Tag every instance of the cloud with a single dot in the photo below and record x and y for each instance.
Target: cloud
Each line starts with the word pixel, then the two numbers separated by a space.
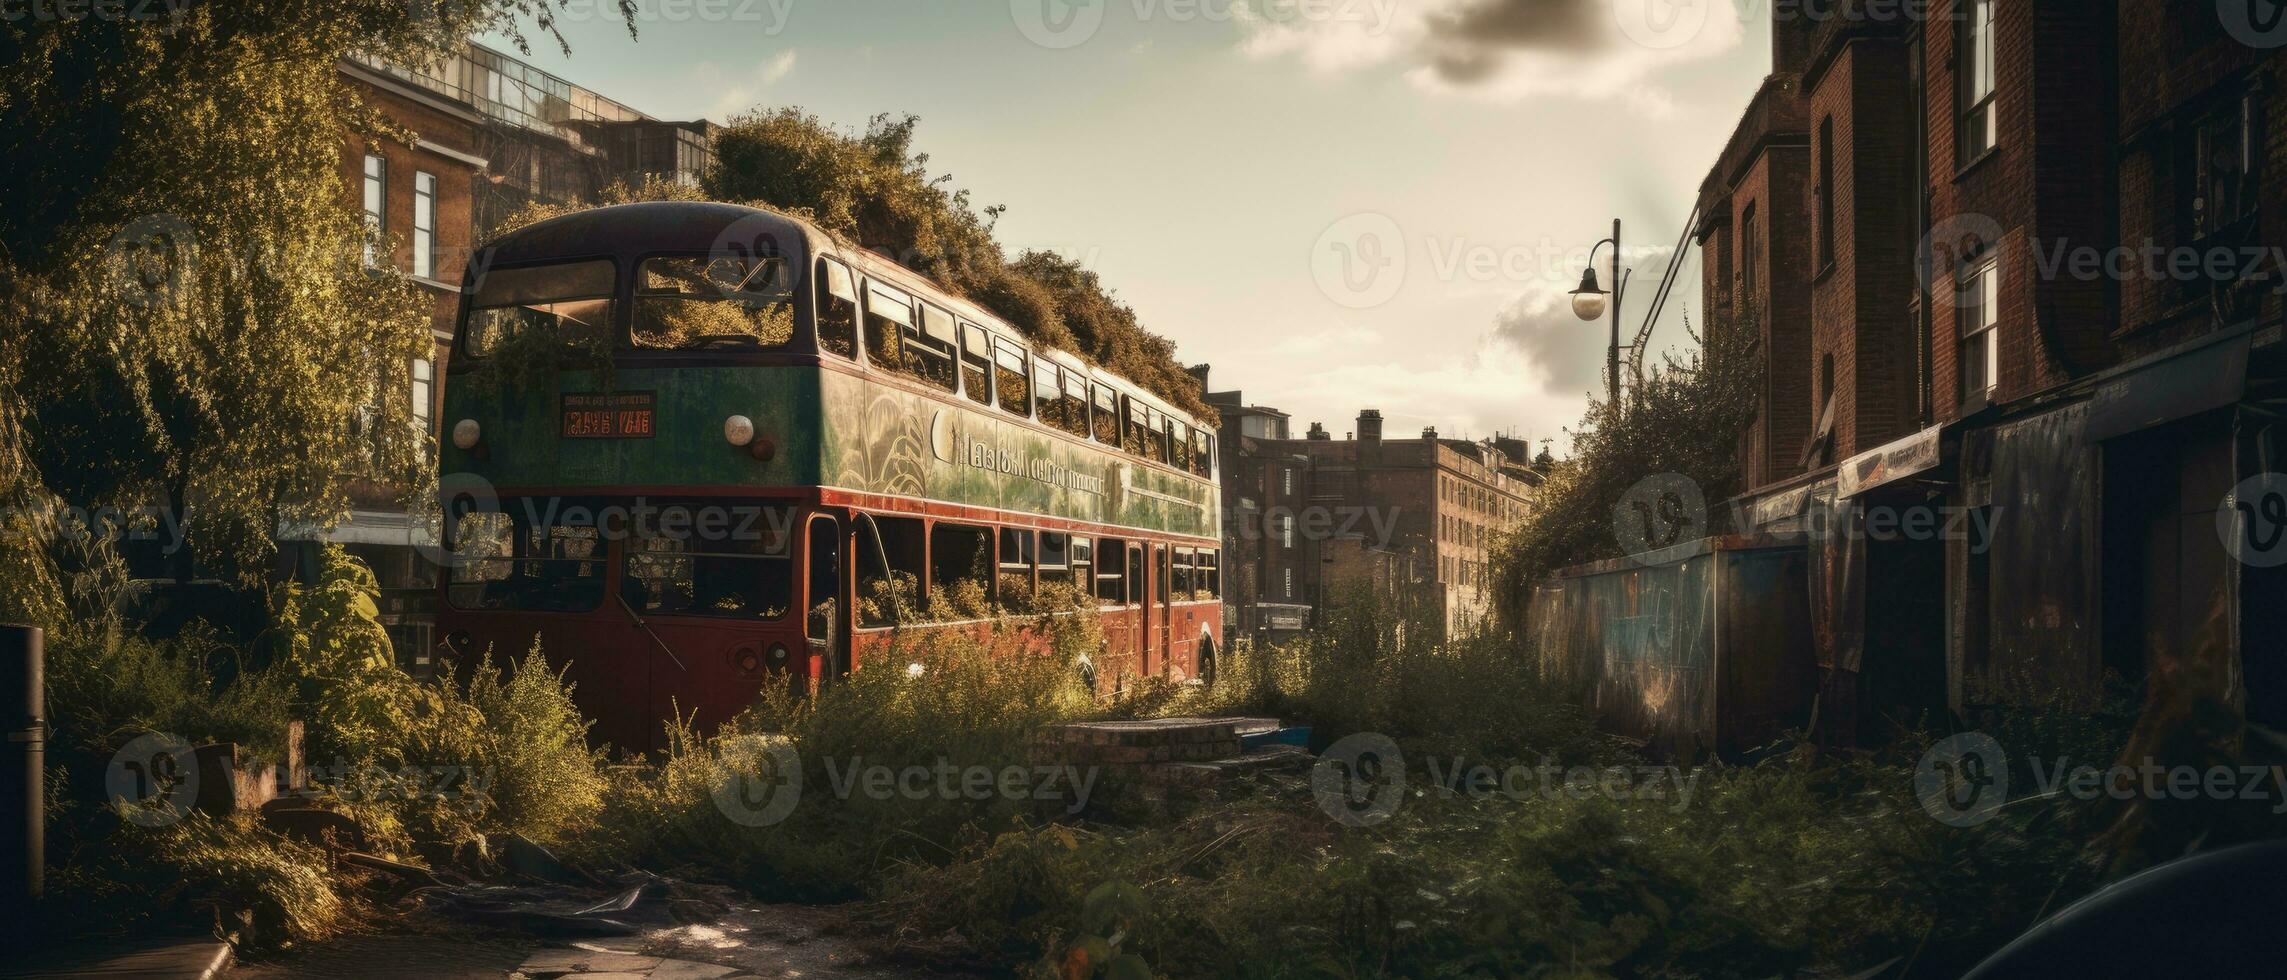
pixel 1566 353
pixel 1511 49
pixel 737 95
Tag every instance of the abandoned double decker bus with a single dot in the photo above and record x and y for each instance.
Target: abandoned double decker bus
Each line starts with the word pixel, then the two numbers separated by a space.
pixel 696 449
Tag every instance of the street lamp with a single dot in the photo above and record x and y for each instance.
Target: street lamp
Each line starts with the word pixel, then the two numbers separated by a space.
pixel 1591 301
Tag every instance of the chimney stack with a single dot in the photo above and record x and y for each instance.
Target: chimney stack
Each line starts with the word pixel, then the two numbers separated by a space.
pixel 1370 426
pixel 1429 433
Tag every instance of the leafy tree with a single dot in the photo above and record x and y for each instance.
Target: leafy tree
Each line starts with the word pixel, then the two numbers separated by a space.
pixel 1686 419
pixel 873 189
pixel 185 316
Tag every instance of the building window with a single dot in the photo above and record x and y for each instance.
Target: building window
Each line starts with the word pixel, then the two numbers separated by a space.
pixel 376 206
pixel 424 392
pixel 2223 169
pixel 1287 575
pixel 1286 530
pixel 1977 131
pixel 1977 315
pixel 1748 250
pixel 425 225
pixel 1824 189
pixel 1287 478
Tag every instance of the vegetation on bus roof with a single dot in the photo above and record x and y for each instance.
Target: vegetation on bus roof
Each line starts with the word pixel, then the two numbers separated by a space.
pixel 874 192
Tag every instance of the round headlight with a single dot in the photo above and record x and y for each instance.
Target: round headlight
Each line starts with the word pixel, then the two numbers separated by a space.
pixel 466 434
pixel 738 430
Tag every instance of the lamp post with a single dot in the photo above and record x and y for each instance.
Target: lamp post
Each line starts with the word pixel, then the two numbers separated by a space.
pixel 1591 301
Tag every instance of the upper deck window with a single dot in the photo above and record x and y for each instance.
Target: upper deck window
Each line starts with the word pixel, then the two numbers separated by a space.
pixel 1009 360
pixel 889 316
pixel 1075 417
pixel 1137 427
pixel 929 351
pixel 977 363
pixel 1106 417
pixel 689 303
pixel 569 302
pixel 837 301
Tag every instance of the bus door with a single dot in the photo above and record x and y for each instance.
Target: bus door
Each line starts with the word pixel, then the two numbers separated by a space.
pixel 826 592
pixel 1162 619
pixel 1139 600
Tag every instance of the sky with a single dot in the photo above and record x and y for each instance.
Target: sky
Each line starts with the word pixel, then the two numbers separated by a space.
pixel 1339 204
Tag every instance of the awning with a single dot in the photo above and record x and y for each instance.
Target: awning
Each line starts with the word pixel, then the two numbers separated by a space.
pixel 2170 386
pixel 1917 453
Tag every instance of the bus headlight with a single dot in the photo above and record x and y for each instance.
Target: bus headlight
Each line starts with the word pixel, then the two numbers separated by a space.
pixel 738 430
pixel 466 434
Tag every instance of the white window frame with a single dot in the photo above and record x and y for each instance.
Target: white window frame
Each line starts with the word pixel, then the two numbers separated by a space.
pixel 1978 318
pixel 424 224
pixel 376 202
pixel 424 393
pixel 1976 128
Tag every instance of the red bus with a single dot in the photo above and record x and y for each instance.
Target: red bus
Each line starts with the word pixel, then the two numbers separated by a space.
pixel 695 449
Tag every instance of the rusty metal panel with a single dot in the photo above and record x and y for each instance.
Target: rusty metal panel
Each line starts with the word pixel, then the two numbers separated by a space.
pixel 1691 655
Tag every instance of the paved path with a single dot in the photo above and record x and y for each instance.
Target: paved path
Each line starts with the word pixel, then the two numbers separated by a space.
pixel 158 958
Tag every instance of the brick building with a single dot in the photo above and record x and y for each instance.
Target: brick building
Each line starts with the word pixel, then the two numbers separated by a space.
pixel 2010 263
pixel 1411 518
pixel 490 135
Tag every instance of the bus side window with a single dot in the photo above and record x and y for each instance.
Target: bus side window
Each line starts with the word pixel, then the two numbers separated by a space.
pixel 1110 564
pixel 959 587
pixel 1075 419
pixel 889 314
pixel 1135 423
pixel 1155 436
pixel 1015 386
pixel 1165 573
pixel 837 309
pixel 1047 390
pixel 976 363
pixel 1207 583
pixel 1186 560
pixel 1083 571
pixel 1015 592
pixel 1135 574
pixel 1179 439
pixel 886 594
pixel 929 350
pixel 1107 415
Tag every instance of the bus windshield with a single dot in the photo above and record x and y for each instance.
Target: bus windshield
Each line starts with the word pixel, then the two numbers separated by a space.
pixel 688 303
pixel 507 561
pixel 570 302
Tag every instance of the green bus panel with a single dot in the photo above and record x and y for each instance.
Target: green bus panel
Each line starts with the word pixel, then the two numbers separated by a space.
pixel 831 429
